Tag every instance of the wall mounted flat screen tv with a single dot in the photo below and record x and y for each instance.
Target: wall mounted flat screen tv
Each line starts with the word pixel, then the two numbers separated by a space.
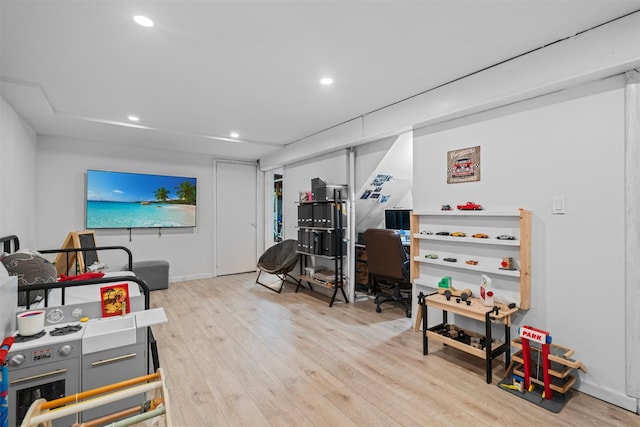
pixel 134 200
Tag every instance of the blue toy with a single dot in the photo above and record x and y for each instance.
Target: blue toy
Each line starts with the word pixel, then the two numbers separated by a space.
pixel 4 382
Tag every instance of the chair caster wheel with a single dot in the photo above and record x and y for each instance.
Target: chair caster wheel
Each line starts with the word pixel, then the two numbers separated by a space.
pixel 378 310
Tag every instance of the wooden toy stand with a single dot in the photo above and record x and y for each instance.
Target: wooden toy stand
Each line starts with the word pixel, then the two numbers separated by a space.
pixel 85 240
pixel 545 369
pixel 154 410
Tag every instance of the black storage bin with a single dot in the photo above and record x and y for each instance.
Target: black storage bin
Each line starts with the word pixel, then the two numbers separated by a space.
pixel 332 215
pixel 305 215
pixel 320 215
pixel 301 234
pixel 330 243
pixel 316 242
pixel 323 191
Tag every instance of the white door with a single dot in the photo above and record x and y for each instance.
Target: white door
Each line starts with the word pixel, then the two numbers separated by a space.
pixel 236 218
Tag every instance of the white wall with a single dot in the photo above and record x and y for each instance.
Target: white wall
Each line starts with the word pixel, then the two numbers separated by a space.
pixel 368 156
pixel 17 176
pixel 572 148
pixel 62 164
pixel 395 193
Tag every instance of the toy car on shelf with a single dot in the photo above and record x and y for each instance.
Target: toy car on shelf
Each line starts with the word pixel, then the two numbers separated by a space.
pixel 446 208
pixel 480 236
pixel 450 259
pixel 431 256
pixel 472 262
pixel 470 206
pixel 505 237
pixel 428 233
pixel 442 233
pixel 458 234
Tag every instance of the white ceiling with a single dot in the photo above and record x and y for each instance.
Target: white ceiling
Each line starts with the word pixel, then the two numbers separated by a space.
pixel 79 68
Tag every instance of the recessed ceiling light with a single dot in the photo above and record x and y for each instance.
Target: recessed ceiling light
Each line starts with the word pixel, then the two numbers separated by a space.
pixel 143 21
pixel 326 81
pixel 234 135
pixel 133 118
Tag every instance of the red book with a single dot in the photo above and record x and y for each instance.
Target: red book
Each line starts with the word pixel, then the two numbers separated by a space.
pixel 115 300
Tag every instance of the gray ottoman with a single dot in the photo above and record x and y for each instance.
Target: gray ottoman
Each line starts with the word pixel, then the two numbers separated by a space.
pixel 155 273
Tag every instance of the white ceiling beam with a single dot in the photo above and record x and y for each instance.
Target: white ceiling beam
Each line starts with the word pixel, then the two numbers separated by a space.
pixel 327 141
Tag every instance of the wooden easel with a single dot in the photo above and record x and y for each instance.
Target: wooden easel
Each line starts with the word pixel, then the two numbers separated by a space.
pixel 77 240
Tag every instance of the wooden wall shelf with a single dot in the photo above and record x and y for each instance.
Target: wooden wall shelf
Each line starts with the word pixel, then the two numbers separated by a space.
pixel 517 223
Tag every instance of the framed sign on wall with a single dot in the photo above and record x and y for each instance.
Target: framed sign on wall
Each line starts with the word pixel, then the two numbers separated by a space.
pixel 463 165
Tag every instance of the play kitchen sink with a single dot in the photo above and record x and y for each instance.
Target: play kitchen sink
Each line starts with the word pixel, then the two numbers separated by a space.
pixel 113 332
pixel 106 333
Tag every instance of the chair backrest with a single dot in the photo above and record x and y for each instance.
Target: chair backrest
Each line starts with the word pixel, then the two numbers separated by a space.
pixel 386 256
pixel 283 253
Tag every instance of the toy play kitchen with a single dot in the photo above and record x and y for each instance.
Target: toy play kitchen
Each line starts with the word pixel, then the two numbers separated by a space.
pixel 60 351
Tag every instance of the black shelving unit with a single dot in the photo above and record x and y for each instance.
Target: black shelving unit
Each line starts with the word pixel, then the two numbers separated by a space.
pixel 321 231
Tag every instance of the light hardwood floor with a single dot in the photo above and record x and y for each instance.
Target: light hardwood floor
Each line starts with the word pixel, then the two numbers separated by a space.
pixel 235 353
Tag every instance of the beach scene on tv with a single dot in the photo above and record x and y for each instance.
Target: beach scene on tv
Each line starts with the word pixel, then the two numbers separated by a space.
pixel 131 200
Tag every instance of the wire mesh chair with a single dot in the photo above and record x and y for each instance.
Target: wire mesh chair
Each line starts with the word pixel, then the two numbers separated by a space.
pixel 279 260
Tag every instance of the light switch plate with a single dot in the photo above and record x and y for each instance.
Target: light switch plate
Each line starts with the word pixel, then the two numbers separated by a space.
pixel 558 206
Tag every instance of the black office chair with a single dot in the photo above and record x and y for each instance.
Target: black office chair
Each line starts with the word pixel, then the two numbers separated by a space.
pixel 388 263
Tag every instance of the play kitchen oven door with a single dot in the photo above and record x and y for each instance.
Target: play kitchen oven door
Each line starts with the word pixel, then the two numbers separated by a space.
pixel 111 366
pixel 47 381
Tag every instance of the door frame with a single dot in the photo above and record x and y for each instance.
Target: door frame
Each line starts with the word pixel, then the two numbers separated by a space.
pixel 259 202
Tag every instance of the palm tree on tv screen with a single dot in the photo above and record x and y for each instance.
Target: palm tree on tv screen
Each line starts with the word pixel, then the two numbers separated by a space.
pixel 187 192
pixel 161 194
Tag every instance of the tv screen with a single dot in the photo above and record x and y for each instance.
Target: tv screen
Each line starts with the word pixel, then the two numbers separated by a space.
pixel 397 219
pixel 134 200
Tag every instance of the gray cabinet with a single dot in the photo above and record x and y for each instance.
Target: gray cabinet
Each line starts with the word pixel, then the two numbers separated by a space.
pixel 111 366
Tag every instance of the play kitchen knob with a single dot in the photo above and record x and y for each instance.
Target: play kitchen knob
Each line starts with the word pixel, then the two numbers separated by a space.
pixel 16 360
pixel 65 350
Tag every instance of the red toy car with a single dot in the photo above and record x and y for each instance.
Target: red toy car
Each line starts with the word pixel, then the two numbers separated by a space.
pixel 470 206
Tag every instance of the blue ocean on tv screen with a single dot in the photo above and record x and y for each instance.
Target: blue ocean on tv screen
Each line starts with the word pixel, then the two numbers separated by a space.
pixel 130 200
pixel 134 215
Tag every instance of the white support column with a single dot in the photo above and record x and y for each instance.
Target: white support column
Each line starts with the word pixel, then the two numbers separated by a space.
pixel 261 213
pixel 351 251
pixel 632 227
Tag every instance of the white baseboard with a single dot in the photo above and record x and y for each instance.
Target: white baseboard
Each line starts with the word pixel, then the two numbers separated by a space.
pixel 174 279
pixel 612 396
